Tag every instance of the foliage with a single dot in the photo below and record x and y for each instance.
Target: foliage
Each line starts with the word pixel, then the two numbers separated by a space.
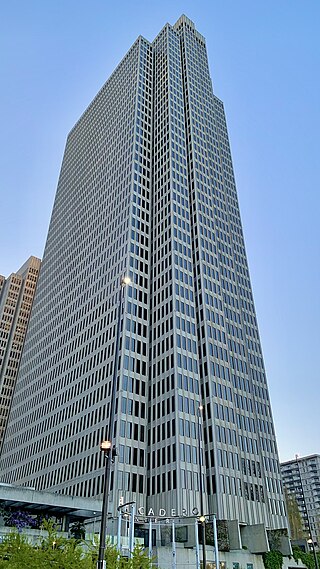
pixel 223 535
pixel 273 559
pixel 140 559
pixel 294 516
pixel 17 553
pixel 77 530
pixel 274 538
pixel 181 534
pixel 306 558
pixel 18 519
pixel 166 535
pixel 62 553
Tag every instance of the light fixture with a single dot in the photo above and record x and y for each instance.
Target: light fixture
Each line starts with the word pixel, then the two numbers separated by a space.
pixel 105 445
pixel 108 446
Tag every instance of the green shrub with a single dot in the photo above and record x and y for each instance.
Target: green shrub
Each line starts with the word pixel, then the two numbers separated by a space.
pixel 273 559
pixel 62 553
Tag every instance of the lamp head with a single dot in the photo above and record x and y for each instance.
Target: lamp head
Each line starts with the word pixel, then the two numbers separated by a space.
pixel 125 281
pixel 105 445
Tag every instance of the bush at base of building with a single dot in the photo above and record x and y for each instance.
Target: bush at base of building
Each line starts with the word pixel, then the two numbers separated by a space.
pixel 306 558
pixel 62 553
pixel 273 559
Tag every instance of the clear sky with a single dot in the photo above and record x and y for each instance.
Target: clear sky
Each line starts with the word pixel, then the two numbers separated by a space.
pixel 265 62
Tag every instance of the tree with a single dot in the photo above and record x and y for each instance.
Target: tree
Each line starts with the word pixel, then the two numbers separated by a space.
pixel 18 519
pixel 272 559
pixel 77 530
pixel 294 517
pixel 16 552
pixel 53 551
pixel 306 558
pixel 62 553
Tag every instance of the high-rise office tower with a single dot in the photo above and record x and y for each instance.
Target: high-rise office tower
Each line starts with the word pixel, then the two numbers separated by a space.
pixel 301 479
pixel 147 190
pixel 16 298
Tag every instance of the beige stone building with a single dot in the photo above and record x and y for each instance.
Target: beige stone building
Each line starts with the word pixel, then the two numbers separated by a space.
pixel 16 298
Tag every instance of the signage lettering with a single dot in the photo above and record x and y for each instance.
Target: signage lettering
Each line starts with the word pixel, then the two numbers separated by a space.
pixel 162 512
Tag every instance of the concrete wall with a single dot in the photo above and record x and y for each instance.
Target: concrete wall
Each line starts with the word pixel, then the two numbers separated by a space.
pixel 255 538
pixel 186 559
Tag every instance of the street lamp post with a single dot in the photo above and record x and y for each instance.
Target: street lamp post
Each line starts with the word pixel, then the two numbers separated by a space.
pixel 202 518
pixel 311 543
pixel 107 446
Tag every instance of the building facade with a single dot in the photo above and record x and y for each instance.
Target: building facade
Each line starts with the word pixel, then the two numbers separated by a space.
pixel 16 298
pixel 147 190
pixel 301 478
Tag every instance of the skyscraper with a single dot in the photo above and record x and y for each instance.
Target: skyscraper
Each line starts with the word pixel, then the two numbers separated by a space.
pixel 147 190
pixel 16 298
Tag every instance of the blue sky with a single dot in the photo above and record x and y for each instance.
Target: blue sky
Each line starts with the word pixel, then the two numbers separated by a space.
pixel 265 60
